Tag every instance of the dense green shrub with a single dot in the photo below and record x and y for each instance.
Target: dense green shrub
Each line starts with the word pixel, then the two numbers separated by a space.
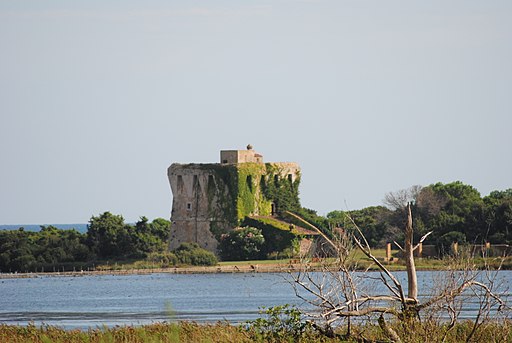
pixel 192 254
pixel 242 244
pixel 164 259
pixel 22 251
pixel 279 324
pixel 279 236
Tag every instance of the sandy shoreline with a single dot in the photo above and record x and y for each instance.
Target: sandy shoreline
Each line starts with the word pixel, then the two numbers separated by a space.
pixel 232 268
pixel 242 268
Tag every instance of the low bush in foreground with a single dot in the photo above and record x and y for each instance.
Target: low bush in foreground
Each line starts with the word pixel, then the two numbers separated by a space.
pixel 192 254
pixel 287 331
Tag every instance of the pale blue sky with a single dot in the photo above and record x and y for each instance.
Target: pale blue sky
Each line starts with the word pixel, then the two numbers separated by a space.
pixel 98 98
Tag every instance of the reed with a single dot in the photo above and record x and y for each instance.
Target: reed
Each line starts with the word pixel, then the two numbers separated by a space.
pixel 224 332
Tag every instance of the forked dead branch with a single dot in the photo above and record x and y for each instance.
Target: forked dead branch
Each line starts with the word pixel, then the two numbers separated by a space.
pixel 341 291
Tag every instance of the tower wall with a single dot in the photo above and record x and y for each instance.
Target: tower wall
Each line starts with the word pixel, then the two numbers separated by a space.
pixel 199 204
pixel 212 199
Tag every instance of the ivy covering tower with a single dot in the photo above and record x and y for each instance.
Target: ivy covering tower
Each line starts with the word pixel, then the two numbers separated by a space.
pixel 211 199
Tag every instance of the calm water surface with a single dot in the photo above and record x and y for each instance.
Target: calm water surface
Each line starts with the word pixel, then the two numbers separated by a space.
pixel 91 301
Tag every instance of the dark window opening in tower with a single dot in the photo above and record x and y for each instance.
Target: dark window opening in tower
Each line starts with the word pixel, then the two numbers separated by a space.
pixel 248 180
pixel 211 184
pixel 180 183
pixel 263 183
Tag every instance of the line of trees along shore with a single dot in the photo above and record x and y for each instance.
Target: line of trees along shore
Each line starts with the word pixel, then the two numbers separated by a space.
pixel 108 238
pixel 455 212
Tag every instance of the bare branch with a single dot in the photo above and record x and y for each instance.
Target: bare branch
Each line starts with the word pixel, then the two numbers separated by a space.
pixel 318 294
pixel 422 239
pixel 398 245
pixel 377 298
pixel 388 286
pixel 336 297
pixel 398 200
pixel 397 283
pixel 368 310
pixel 452 293
pixel 491 294
pixel 336 248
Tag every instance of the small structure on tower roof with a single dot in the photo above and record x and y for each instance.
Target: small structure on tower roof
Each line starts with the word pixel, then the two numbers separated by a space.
pixel 240 156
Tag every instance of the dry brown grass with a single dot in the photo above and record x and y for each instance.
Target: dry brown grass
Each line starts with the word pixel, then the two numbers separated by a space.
pixel 223 332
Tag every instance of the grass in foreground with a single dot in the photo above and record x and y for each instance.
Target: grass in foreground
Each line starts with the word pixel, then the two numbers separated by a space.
pixel 224 332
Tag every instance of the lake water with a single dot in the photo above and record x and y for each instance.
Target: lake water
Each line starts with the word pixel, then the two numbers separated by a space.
pixel 92 301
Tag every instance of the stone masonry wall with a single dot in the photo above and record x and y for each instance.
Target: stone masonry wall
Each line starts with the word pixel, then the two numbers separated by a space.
pixel 211 199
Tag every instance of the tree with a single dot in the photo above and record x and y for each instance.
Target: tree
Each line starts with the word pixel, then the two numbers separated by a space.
pixel 461 211
pixel 149 237
pixel 107 236
pixel 398 200
pixel 53 246
pixel 336 219
pixel 374 224
pixel 443 208
pixel 444 243
pixel 498 216
pixel 430 203
pixel 16 250
pixel 241 244
pixel 160 228
pixel 336 294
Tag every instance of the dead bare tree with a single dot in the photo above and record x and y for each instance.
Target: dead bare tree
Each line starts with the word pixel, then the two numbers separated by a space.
pixel 339 291
pixel 430 202
pixel 398 200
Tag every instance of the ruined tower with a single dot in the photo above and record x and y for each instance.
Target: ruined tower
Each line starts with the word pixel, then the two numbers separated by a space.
pixel 212 199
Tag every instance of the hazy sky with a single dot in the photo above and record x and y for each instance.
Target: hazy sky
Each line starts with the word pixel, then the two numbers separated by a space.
pixel 98 98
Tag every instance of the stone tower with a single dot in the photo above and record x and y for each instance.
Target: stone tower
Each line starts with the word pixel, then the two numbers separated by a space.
pixel 212 199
